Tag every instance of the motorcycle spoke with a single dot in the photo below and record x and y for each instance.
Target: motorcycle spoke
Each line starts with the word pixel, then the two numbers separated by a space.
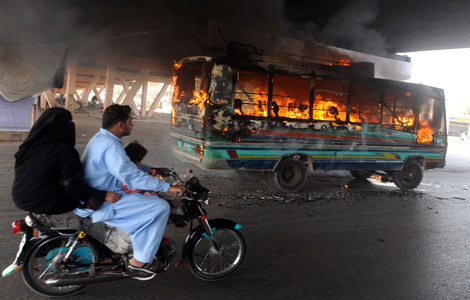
pixel 200 255
pixel 214 266
pixel 232 258
pixel 204 260
pixel 224 265
pixel 43 273
pixel 234 245
pixel 206 266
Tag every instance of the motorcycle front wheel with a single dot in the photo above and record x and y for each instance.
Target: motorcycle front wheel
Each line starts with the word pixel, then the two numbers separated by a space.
pixel 211 263
pixel 46 262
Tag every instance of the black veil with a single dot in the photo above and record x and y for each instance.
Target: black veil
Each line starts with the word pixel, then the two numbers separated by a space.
pixel 54 125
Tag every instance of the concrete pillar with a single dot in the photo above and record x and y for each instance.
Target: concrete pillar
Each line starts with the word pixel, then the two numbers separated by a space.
pixel 70 89
pixel 109 86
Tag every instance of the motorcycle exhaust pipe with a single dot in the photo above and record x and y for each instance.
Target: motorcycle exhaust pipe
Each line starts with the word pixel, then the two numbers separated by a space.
pixel 79 280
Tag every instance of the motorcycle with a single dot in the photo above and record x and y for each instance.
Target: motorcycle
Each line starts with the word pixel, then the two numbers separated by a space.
pixel 60 262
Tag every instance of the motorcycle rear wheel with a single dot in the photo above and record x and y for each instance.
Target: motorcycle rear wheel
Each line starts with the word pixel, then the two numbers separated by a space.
pixel 210 264
pixel 41 265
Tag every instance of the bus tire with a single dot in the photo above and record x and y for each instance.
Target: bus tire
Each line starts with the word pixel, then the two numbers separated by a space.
pixel 410 176
pixel 361 174
pixel 289 177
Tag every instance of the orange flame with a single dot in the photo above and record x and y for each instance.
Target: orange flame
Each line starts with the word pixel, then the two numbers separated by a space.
pixel 201 151
pixel 199 99
pixel 344 62
pixel 260 103
pixel 175 92
pixel 259 106
pixel 376 177
pixel 360 114
pixel 291 107
pixel 338 62
pixel 176 65
pixel 173 117
pixel 406 120
pixel 325 108
pixel 283 106
pixel 425 133
pixel 328 110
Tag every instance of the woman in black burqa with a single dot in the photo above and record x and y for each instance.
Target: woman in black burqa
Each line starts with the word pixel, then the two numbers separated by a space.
pixel 48 171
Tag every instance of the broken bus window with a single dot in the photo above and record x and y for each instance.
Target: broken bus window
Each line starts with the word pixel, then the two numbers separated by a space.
pixel 251 94
pixel 330 100
pixel 291 96
pixel 365 103
pixel 398 111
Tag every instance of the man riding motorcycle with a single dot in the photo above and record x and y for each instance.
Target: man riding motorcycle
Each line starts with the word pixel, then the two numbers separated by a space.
pixel 106 166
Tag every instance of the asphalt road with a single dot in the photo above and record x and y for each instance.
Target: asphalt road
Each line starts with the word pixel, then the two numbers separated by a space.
pixel 337 239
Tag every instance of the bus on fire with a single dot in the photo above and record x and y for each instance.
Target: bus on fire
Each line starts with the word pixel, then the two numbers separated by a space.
pixel 283 120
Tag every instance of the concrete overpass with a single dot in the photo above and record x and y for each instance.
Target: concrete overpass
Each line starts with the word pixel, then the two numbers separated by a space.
pixel 91 46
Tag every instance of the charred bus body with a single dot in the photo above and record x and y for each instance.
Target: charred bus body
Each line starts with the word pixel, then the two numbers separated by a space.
pixel 281 119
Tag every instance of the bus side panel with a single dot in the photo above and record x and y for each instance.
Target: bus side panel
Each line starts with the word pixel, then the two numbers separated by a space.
pixel 328 150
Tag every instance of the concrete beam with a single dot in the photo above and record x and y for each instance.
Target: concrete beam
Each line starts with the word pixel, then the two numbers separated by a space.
pixel 49 98
pixel 157 99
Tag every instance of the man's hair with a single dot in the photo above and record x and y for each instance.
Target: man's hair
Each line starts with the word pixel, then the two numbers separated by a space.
pixel 136 152
pixel 114 114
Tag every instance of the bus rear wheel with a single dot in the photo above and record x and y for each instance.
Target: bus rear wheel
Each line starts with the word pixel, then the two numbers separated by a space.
pixel 289 177
pixel 410 176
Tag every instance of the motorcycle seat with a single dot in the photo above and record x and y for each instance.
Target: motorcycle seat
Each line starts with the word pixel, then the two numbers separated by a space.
pixel 33 222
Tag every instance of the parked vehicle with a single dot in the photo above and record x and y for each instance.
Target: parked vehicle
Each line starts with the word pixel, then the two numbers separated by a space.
pixel 60 262
pixel 279 118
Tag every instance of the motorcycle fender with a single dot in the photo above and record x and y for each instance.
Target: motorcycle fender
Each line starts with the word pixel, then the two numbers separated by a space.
pixel 194 235
pixel 26 245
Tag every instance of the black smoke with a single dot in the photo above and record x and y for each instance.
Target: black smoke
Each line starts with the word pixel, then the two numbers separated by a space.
pixel 345 24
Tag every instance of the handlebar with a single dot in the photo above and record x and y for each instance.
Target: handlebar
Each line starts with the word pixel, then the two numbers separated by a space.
pixel 197 191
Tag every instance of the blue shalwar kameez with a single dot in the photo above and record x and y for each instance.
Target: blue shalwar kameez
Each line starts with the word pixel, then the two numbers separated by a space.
pixel 144 218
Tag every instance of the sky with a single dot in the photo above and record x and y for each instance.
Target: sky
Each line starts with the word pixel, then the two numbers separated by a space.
pixel 446 69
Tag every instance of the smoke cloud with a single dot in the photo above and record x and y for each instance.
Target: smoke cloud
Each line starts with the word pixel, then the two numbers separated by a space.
pixel 350 29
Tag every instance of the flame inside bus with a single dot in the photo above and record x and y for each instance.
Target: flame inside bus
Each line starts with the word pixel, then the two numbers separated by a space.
pixel 425 133
pixel 199 99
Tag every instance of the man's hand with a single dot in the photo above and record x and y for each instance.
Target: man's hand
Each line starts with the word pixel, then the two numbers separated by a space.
pixel 112 197
pixel 162 171
pixel 178 190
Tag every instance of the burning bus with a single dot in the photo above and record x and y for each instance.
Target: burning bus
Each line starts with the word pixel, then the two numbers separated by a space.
pixel 281 118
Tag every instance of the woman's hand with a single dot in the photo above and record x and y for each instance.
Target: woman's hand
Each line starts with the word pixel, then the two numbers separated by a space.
pixel 112 197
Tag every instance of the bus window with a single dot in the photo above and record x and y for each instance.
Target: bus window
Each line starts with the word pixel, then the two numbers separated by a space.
pixel 251 94
pixel 441 120
pixel 398 110
pixel 291 96
pixel 425 121
pixel 190 81
pixel 365 104
pixel 330 98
